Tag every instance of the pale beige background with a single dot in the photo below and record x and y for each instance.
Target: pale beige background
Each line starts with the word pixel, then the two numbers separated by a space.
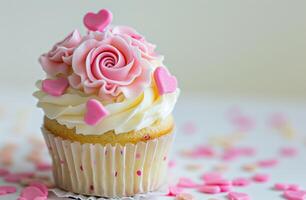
pixel 236 47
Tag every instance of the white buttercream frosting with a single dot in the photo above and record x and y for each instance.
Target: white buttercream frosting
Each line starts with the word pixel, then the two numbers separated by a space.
pixel 124 116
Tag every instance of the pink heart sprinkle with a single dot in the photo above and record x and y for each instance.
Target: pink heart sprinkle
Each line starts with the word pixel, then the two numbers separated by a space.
pixel 220 182
pixel 281 186
pixel 4 172
pixel 43 166
pixel 186 183
pixel 165 82
pixel 95 112
pixel 225 188
pixel 238 196
pixel 210 176
pixel 99 21
pixel 7 190
pixel 243 122
pixel 174 190
pixel 294 187
pixel 171 164
pixel 15 178
pixel 232 153
pixel 261 178
pixel 55 87
pixel 31 193
pixel 208 189
pixel 202 152
pixel 241 182
pixel 288 151
pixel 42 187
pixel 295 195
pixel 268 163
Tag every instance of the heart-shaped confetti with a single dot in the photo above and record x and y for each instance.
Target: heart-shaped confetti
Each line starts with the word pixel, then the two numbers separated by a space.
pixel 288 151
pixel 293 187
pixel 295 195
pixel 95 112
pixel 31 193
pixel 219 182
pixel 42 187
pixel 15 178
pixel 225 188
pixel 209 189
pixel 261 178
pixel 165 82
pixel 99 21
pixel 186 183
pixel 268 163
pixel 281 186
pixel 210 176
pixel 7 190
pixel 55 87
pixel 4 172
pixel 241 182
pixel 238 196
pixel 41 166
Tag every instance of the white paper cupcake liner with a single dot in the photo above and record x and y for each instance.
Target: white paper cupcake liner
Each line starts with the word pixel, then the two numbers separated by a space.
pixel 64 194
pixel 109 171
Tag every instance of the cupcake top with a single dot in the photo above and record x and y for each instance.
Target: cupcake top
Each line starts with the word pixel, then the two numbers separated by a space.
pixel 110 78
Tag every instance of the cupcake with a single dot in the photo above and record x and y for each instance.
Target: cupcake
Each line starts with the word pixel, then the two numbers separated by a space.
pixel 107 100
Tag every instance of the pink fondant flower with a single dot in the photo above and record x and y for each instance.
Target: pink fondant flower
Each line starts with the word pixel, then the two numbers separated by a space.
pixel 109 66
pixel 147 49
pixel 58 59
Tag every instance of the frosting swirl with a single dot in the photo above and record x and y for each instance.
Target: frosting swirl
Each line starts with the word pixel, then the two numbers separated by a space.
pixel 58 59
pixel 124 116
pixel 109 67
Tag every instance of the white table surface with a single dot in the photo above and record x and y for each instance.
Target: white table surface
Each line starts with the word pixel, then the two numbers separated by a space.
pixel 20 120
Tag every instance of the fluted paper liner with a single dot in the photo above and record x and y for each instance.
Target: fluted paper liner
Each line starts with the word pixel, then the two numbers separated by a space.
pixel 64 194
pixel 109 171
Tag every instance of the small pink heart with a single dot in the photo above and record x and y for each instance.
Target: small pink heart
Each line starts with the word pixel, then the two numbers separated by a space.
pixel 186 183
pixel 95 112
pixel 211 176
pixel 261 178
pixel 209 189
pixel 295 195
pixel 55 87
pixel 238 196
pixel 4 172
pixel 165 82
pixel 42 166
pixel 31 193
pixel 241 182
pixel 7 190
pixel 41 186
pixel 281 186
pixel 99 21
pixel 15 178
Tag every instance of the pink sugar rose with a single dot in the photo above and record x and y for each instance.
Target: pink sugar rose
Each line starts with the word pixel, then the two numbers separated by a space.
pixel 147 49
pixel 59 59
pixel 109 66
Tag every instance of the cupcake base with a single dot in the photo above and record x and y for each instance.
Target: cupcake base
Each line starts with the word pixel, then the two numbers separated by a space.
pixel 109 170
